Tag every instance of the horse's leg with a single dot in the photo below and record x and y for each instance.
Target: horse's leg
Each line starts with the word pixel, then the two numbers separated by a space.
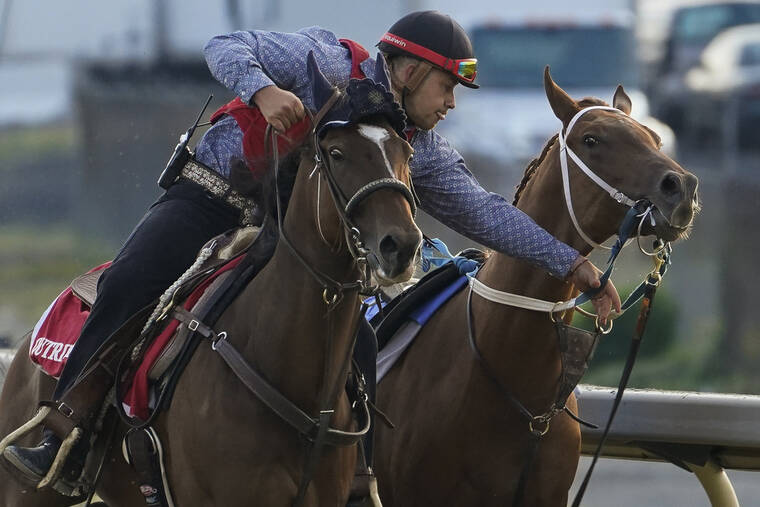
pixel 119 485
pixel 24 386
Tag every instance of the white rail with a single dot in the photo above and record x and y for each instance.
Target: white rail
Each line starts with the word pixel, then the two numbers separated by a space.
pixel 704 433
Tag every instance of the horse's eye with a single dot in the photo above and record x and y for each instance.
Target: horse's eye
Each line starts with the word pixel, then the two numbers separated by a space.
pixel 336 154
pixel 590 141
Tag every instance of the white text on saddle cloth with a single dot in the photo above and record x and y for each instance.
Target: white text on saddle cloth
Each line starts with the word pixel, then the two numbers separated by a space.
pixel 56 332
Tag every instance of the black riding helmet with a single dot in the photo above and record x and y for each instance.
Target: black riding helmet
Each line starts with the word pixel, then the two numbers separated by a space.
pixel 435 38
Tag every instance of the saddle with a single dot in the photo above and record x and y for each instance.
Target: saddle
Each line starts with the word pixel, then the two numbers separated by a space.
pixel 68 417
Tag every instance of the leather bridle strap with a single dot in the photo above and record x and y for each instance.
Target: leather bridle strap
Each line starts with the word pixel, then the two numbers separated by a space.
pixel 267 393
pixel 566 151
pixel 537 425
pixel 652 282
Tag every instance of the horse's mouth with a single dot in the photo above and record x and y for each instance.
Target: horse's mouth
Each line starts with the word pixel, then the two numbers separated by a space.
pixel 664 229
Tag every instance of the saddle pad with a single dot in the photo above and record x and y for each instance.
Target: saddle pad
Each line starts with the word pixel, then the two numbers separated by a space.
pixel 58 329
pixel 136 399
pixel 415 316
pixel 397 311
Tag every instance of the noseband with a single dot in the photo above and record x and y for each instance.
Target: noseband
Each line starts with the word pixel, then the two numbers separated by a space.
pixel 366 260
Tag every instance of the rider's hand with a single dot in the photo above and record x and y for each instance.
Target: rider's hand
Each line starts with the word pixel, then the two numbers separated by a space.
pixel 584 275
pixel 281 108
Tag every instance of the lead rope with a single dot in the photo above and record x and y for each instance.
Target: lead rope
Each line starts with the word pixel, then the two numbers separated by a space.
pixel 653 281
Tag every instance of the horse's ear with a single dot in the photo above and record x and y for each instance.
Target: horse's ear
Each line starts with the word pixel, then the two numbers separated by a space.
pixel 381 72
pixel 563 106
pixel 621 100
pixel 322 89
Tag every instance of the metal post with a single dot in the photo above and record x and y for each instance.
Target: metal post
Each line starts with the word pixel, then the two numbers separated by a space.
pixel 716 484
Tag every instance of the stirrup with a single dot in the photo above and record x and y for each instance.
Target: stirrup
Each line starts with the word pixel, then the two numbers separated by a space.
pixel 53 475
pixel 24 429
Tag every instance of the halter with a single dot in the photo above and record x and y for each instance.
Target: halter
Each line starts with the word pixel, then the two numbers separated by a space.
pixel 565 150
pixel 332 289
pixel 632 224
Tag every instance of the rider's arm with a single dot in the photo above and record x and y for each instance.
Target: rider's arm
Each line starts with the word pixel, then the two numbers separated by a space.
pixel 246 62
pixel 451 194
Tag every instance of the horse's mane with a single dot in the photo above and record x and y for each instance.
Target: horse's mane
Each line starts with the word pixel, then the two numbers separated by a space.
pixel 533 164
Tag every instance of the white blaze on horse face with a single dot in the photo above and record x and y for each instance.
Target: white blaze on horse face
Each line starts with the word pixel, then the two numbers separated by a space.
pixel 378 135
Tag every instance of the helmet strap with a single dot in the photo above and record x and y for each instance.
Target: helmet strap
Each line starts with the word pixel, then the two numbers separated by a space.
pixel 420 72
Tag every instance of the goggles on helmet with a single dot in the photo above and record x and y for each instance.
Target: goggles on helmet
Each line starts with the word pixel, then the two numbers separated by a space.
pixel 464 68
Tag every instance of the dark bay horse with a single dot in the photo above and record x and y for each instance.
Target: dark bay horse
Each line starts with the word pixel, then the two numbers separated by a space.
pixel 458 439
pixel 223 446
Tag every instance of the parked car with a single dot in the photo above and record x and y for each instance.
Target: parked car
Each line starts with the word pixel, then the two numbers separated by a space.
pixel 506 123
pixel 692 28
pixel 724 90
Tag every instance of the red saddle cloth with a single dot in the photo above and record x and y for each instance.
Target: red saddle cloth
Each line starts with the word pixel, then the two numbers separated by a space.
pixel 137 397
pixel 58 329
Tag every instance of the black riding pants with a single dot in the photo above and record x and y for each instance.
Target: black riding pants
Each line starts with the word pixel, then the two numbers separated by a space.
pixel 162 246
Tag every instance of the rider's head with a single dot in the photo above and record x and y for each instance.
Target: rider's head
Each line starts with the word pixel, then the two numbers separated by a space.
pixel 428 54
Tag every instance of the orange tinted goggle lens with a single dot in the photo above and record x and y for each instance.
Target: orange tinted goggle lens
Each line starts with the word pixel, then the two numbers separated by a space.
pixel 467 69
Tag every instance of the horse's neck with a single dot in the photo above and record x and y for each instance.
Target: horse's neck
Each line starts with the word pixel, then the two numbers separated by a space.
pixel 522 342
pixel 291 325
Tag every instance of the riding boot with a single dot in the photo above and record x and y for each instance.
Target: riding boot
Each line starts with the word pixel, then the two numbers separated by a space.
pixel 34 462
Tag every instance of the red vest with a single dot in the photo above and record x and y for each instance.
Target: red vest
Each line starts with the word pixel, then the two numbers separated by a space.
pixel 252 122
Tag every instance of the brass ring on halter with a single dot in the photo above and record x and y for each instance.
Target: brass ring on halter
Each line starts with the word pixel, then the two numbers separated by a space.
pixel 540 420
pixel 327 299
pixel 600 328
pixel 553 311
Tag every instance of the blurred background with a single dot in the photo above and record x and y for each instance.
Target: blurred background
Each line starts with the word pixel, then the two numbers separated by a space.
pixel 93 96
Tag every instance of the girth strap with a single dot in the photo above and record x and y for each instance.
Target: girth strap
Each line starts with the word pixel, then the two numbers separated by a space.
pixel 266 392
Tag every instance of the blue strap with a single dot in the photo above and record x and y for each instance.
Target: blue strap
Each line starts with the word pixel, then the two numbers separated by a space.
pixel 624 232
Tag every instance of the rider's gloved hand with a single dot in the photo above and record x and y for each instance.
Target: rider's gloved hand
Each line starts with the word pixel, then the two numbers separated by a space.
pixel 281 108
pixel 585 276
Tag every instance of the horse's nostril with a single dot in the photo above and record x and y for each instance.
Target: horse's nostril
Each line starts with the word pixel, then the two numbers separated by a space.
pixel 671 184
pixel 388 247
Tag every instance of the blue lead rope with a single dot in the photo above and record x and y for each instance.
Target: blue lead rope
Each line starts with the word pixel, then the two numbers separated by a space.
pixel 634 215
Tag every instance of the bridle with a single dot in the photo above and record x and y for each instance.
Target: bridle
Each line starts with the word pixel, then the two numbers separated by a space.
pixel 639 211
pixel 566 151
pixel 345 206
pixel 332 290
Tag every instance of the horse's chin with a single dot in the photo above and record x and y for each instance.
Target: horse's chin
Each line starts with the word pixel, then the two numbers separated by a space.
pixel 666 231
pixel 385 280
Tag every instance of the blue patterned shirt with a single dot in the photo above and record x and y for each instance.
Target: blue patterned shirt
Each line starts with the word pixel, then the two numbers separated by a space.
pixel 246 62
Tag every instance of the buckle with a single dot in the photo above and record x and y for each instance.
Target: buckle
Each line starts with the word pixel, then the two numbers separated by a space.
pixel 193 325
pixel 219 338
pixel 65 410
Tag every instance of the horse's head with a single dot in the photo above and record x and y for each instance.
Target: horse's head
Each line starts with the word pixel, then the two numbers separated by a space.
pixel 624 159
pixel 370 164
pixel 360 185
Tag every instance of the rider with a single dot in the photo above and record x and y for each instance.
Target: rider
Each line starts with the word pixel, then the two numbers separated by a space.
pixel 428 54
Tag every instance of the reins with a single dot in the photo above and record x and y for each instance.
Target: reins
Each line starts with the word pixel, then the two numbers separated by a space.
pixel 333 290
pixel 661 261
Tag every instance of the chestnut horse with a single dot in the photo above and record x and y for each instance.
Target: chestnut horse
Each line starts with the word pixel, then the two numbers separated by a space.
pixel 223 445
pixel 459 440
